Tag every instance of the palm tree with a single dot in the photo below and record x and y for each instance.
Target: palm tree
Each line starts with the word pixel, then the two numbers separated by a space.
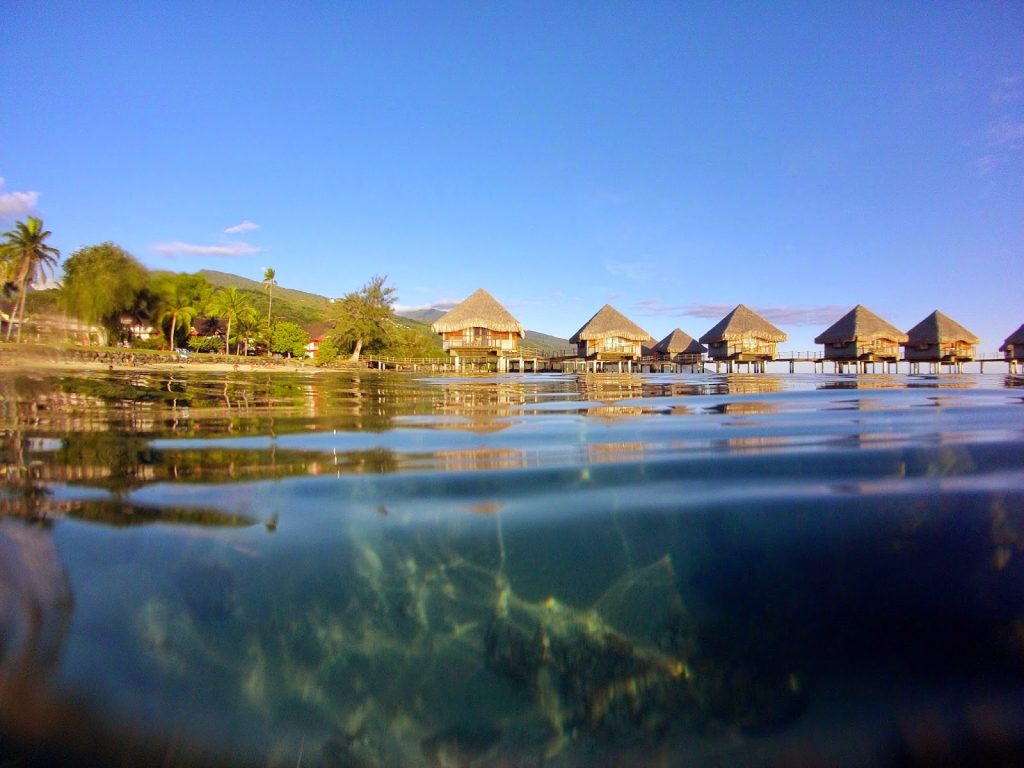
pixel 7 287
pixel 29 259
pixel 253 329
pixel 230 305
pixel 176 305
pixel 268 285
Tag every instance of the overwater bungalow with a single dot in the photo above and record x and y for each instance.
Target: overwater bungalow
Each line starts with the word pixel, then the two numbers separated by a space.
pixel 860 336
pixel 1013 347
pixel 941 340
pixel 743 336
pixel 610 337
pixel 480 330
pixel 679 347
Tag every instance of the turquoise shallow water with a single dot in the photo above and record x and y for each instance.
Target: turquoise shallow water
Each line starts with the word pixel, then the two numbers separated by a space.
pixel 369 570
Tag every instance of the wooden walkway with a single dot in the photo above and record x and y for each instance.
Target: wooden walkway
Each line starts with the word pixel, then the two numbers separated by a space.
pixel 574 364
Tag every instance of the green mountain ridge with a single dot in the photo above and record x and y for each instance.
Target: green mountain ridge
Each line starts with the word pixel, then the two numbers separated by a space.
pixel 291 295
pixel 422 315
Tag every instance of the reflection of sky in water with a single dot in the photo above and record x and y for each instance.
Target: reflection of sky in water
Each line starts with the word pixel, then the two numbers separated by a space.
pixel 236 428
pixel 375 570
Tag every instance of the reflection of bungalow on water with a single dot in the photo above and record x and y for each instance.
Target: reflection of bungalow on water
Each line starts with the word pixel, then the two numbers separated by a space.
pixel 743 336
pixel 679 347
pixel 1013 348
pixel 609 337
pixel 861 337
pixel 940 340
pixel 480 330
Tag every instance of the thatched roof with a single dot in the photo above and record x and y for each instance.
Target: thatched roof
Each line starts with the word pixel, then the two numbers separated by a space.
pixel 679 343
pixel 742 323
pixel 860 323
pixel 938 328
pixel 1015 338
pixel 610 323
pixel 480 310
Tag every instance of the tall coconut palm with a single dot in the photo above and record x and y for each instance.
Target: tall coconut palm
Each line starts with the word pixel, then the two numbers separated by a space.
pixel 176 304
pixel 269 282
pixel 230 304
pixel 29 259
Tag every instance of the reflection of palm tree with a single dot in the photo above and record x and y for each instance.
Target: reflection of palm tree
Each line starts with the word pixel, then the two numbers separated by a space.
pixel 230 305
pixel 29 259
pixel 176 305
pixel 268 285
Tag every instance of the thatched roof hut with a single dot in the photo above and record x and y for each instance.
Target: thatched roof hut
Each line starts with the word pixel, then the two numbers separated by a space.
pixel 860 334
pixel 679 343
pixel 860 323
pixel 610 334
pixel 940 329
pixel 480 310
pixel 743 322
pixel 743 335
pixel 939 338
pixel 610 323
pixel 1014 345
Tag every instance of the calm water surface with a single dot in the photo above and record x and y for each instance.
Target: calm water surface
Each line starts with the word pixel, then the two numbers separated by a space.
pixel 367 570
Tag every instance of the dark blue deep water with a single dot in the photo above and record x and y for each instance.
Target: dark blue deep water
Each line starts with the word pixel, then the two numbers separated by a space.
pixel 379 570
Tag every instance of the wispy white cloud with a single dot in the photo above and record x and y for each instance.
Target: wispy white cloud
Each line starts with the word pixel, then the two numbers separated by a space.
pixel 16 203
pixel 443 305
pixel 825 315
pixel 244 226
pixel 178 248
pixel 985 164
pixel 1007 134
pixel 1008 89
pixel 799 316
pixel 634 271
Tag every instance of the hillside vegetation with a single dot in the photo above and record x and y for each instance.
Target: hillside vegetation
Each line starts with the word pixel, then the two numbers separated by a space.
pixel 295 306
pixel 308 308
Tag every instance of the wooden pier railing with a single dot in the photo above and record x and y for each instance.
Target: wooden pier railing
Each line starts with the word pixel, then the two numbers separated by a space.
pixel 575 364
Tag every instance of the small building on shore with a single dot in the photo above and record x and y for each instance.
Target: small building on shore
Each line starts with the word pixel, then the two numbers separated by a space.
pixel 939 339
pixel 610 336
pixel 861 336
pixel 481 330
pixel 743 336
pixel 1013 347
pixel 679 347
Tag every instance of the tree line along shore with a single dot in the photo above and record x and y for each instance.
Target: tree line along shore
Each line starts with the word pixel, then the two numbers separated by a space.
pixel 106 298
pixel 108 309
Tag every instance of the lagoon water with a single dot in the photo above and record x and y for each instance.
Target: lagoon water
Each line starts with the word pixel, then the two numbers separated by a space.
pixel 548 570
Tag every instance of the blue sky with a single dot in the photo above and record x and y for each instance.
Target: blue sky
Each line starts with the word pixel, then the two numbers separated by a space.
pixel 673 159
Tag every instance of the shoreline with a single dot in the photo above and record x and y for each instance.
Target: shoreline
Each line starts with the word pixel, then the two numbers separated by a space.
pixel 41 358
pixel 158 367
